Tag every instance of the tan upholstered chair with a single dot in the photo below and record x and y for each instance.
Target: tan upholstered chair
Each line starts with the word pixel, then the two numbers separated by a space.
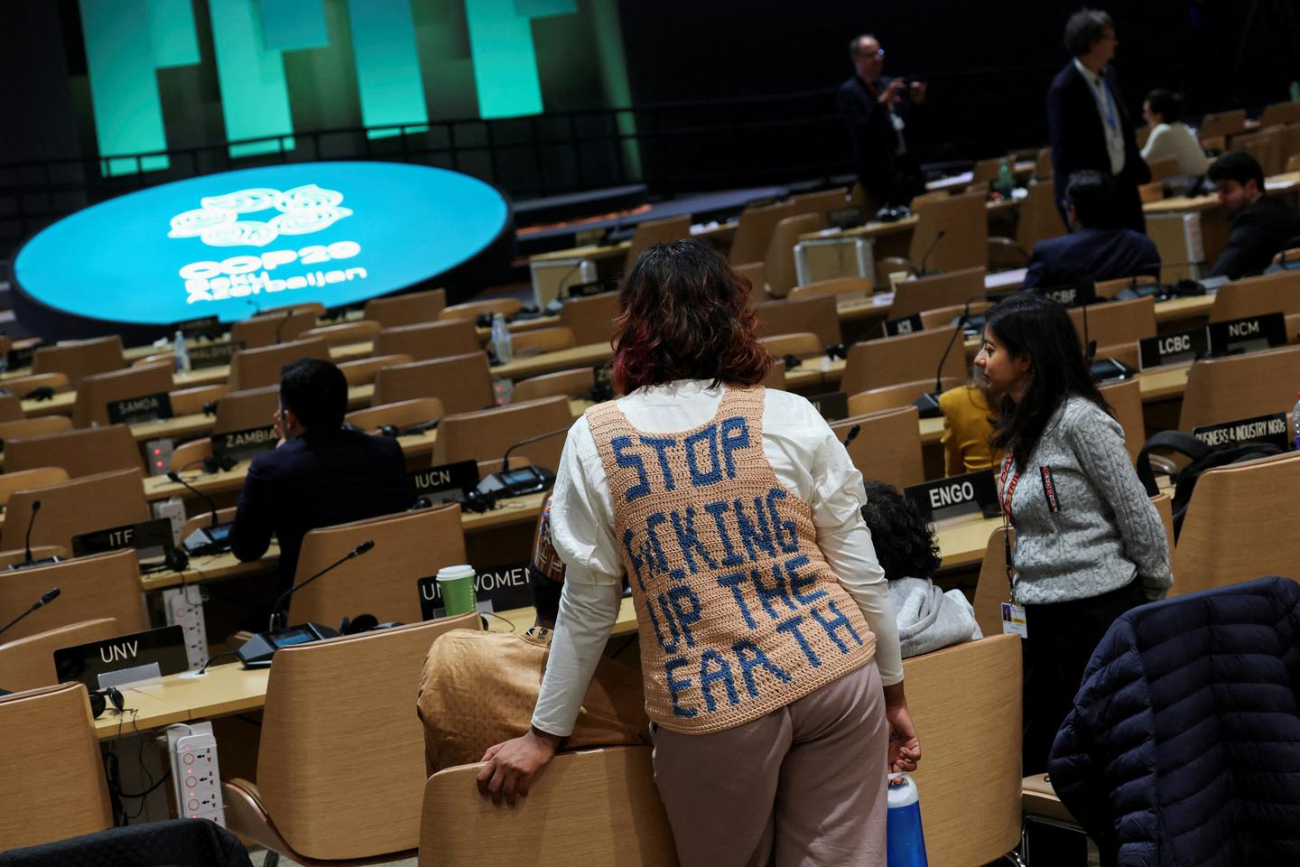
pixel 31 427
pixel 80 505
pixel 26 480
pixel 821 201
pixel 992 587
pixel 1116 322
pixel 96 391
pixel 1039 220
pixel 105 585
pixel 943 317
pixel 339 774
pixel 54 775
pixel 756 274
pixel 651 232
pixel 754 231
pixel 190 455
pixel 888 446
pixel 589 807
pixel 817 315
pixel 429 341
pixel 80 452
pixel 78 359
pixel 191 401
pixel 344 333
pixel 1240 386
pixel 254 368
pixel 802 345
pixel 939 290
pixel 779 261
pixel 408 547
pixel 402 414
pixel 964 222
pixel 28 663
pixel 11 406
pixel 462 382
pixel 593 319
pixel 905 358
pixel 894 396
pixel 471 310
pixel 1270 293
pixel 1223 123
pixel 775 376
pixel 412 308
pixel 843 288
pixel 485 435
pixel 570 383
pixel 271 329
pixel 364 370
pixel 298 307
pixel 1125 398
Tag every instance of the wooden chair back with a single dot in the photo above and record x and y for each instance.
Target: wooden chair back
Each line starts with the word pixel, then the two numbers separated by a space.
pixel 411 308
pixel 96 391
pixel 471 310
pixel 401 414
pixel 991 587
pixel 1043 165
pixel 651 232
pixel 191 401
pixel 964 222
pixel 1266 146
pixel 241 410
pixel 754 232
pixel 27 480
pixel 79 505
pixel 408 546
pixel 1165 509
pixel 344 333
pixel 1039 219
pixel 888 446
pixel 78 359
pixel 893 396
pixel 1223 123
pixel 316 307
pixel 1279 113
pixel 570 383
pixel 25 385
pixel 938 290
pixel 462 382
pixel 843 288
pixel 821 201
pixel 339 768
pixel 105 585
pixel 593 319
pixel 987 169
pixel 966 703
pixel 1116 321
pixel 1111 288
pixel 779 261
pixel 1238 526
pixel 590 807
pixel 30 427
pixel 81 452
pixel 187 456
pixel 1292 163
pixel 28 663
pixel 53 771
pixel 1165 168
pixel 775 376
pixel 756 274
pixel 273 329
pixel 431 340
pixel 945 317
pixel 11 406
pixel 542 340
pixel 254 368
pixel 1240 386
pixel 363 370
pixel 1125 398
pixel 905 358
pixel 920 202
pixel 486 434
pixel 817 315
pixel 803 345
pixel 1268 293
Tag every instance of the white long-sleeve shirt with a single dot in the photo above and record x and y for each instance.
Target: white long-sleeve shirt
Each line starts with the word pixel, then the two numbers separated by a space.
pixel 808 460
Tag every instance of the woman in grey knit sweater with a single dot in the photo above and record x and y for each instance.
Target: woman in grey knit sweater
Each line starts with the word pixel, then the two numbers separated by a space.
pixel 1089 543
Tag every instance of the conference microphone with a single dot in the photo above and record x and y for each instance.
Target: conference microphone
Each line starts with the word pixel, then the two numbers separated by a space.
pixel 852 435
pixel 39 603
pixel 525 480
pixel 928 404
pixel 278 611
pixel 28 562
pixel 210 539
pixel 280 326
pixel 938 236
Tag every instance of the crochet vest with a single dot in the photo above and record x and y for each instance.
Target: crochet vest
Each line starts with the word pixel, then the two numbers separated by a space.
pixel 738 612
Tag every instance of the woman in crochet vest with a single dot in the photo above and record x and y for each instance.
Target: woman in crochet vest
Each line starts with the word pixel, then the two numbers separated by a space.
pixel 1089 544
pixel 769 651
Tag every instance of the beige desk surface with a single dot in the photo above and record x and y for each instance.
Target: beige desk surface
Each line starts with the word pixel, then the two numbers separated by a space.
pixel 1276 185
pixel 719 232
pixel 588 355
pixel 876 229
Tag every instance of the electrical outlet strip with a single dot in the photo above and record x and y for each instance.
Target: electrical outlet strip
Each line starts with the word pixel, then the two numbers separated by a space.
pixel 196 777
pixel 174 511
pixel 185 609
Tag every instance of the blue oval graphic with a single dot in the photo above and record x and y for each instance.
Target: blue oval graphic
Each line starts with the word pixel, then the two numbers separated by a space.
pixel 232 243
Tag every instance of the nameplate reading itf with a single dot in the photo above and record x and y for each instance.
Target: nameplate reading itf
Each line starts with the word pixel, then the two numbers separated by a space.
pixel 968 494
pixel 241 444
pixel 146 407
pixel 213 354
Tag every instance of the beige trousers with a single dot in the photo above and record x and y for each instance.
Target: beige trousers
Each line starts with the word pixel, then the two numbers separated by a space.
pixel 803 786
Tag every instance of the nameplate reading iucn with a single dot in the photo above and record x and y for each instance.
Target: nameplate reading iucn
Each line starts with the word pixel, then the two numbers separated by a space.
pixel 1184 347
pixel 240 444
pixel 498 588
pixel 1248 334
pixel 906 325
pixel 203 326
pixel 164 647
pixel 1269 428
pixel 146 407
pixel 833 406
pixel 19 358
pixel 967 494
pixel 213 354
pixel 445 483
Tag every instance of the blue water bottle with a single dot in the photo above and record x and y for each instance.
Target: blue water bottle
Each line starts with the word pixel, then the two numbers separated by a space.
pixel 906 840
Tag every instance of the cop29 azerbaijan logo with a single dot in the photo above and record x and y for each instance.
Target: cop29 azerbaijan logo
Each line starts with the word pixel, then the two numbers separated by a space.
pixel 219 221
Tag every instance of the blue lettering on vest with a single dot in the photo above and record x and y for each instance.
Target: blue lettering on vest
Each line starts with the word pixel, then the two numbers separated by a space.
pixel 792 627
pixel 713 668
pixel 835 624
pixel 669 647
pixel 631 460
pixel 675 687
pixel 658 562
pixel 716 509
pixel 687 539
pixel 661 446
pixel 685 617
pixel 786 534
pixel 798 582
pixel 699 478
pixel 732 582
pixel 776 591
pixel 751 656
pixel 735 435
pixel 632 558
pixel 751 536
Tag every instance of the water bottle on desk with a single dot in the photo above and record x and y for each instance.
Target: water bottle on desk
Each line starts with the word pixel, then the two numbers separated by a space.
pixel 182 353
pixel 501 345
pixel 905 841
pixel 1295 421
pixel 1006 180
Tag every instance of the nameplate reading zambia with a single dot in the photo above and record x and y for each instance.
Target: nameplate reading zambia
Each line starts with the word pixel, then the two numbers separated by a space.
pixel 1269 429
pixel 213 354
pixel 241 444
pixel 146 407
pixel 833 406
pixel 906 325
pixel 967 494
pixel 1248 334
pixel 445 483
pixel 498 588
pixel 1183 347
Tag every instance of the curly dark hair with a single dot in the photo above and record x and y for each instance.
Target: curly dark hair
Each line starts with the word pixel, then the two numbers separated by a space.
pixel 905 545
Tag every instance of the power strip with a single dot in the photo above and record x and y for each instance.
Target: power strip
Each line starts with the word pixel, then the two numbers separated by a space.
pixel 196 777
pixel 158 456
pixel 185 609
pixel 174 511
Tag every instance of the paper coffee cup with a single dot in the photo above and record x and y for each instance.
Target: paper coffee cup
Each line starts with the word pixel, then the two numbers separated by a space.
pixel 456 585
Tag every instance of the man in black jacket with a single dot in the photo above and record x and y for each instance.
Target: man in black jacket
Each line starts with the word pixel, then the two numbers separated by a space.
pixel 1088 124
pixel 877 109
pixel 1261 226
pixel 320 474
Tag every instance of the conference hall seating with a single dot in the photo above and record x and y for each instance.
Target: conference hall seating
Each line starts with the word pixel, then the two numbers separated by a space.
pixel 28 663
pixel 407 309
pixel 78 359
pixel 84 452
pixel 485 435
pixel 462 382
pixel 272 329
pixel 887 447
pixel 471 310
pixel 79 505
pixel 905 358
pixel 427 341
pixel 570 383
pixel 254 368
pixel 593 319
pixel 94 392
pixel 103 585
pixel 400 415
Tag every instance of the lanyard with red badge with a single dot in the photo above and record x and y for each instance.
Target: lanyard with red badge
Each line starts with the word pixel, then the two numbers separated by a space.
pixel 1013 615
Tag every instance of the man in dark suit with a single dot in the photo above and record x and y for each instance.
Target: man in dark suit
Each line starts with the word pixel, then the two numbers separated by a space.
pixel 1261 226
pixel 877 110
pixel 1097 249
pixel 1088 124
pixel 320 474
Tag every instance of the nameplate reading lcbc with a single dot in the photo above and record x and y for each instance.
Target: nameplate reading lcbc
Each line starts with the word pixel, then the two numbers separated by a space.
pixel 1269 429
pixel 241 444
pixel 1183 347
pixel 146 407
pixel 955 496
pixel 213 354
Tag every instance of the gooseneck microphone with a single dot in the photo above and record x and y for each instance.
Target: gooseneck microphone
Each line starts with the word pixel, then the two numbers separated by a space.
pixel 212 504
pixel 938 236
pixel 27 542
pixel 278 611
pixel 505 459
pixel 852 435
pixel 928 404
pixel 49 597
pixel 280 325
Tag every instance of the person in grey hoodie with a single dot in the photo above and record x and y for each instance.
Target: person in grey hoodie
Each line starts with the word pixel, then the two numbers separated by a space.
pixel 927 617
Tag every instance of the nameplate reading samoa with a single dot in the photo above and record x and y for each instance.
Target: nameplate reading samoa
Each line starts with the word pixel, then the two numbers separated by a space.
pixel 241 444
pixel 146 407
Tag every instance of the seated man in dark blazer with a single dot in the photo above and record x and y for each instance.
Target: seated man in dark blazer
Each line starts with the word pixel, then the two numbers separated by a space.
pixel 319 474
pixel 1261 226
pixel 1097 248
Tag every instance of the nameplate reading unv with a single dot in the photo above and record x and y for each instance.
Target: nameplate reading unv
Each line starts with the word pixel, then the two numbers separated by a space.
pixel 967 494
pixel 146 407
pixel 1269 428
pixel 164 647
